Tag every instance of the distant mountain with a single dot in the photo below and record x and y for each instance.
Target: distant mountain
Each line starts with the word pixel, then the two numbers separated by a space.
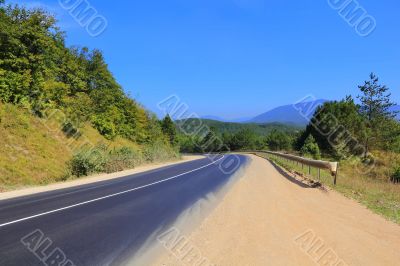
pixel 213 117
pixel 217 118
pixel 297 114
pixel 240 120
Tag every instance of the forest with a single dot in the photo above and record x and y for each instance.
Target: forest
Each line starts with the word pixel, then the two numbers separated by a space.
pixel 346 130
pixel 40 74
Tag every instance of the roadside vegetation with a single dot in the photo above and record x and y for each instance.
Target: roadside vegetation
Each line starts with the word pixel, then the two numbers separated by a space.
pixel 363 135
pixel 62 113
pixel 231 127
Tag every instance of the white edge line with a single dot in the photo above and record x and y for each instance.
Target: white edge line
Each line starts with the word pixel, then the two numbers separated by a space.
pixel 108 196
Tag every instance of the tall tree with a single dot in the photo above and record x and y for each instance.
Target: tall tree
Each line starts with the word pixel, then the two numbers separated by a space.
pixel 169 129
pixel 212 141
pixel 39 72
pixel 375 108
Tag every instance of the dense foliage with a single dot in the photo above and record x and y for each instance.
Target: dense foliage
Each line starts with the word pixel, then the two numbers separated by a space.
pixel 344 128
pixel 229 127
pixel 279 141
pixel 169 129
pixel 243 140
pixel 38 71
pixel 375 110
pixel 338 129
pixel 310 148
pixel 337 126
pixel 101 159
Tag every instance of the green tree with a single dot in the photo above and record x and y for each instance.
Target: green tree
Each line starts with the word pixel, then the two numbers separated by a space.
pixel 39 72
pixel 337 127
pixel 212 141
pixel 169 129
pixel 390 134
pixel 375 105
pixel 278 141
pixel 189 144
pixel 227 140
pixel 310 148
pixel 28 40
pixel 245 139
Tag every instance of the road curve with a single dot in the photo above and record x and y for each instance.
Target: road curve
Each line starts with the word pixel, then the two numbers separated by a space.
pixel 272 218
pixel 105 223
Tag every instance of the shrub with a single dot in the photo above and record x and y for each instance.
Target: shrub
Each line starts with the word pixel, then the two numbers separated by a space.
pixel 70 130
pixel 395 177
pixel 159 151
pixel 122 158
pixel 311 148
pixel 100 159
pixel 88 161
pixel 105 128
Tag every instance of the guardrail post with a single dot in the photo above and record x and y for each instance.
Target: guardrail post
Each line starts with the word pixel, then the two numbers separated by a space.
pixel 335 179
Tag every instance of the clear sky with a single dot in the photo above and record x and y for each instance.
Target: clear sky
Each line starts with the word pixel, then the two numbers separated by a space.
pixel 239 58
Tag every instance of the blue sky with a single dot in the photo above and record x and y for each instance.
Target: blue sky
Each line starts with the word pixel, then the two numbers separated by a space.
pixel 239 58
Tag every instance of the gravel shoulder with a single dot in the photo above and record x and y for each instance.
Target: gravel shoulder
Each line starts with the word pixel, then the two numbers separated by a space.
pixel 270 218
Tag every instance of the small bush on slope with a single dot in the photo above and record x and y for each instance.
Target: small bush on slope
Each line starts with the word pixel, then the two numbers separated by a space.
pixel 101 159
pixel 37 151
pixel 395 178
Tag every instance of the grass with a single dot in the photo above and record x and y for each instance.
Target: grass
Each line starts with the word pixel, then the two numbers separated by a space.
pixel 368 185
pixel 35 151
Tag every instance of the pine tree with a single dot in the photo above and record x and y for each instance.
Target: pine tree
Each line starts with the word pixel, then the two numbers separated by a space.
pixel 375 108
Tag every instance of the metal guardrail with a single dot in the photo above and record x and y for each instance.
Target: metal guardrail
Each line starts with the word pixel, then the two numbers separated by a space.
pixel 331 166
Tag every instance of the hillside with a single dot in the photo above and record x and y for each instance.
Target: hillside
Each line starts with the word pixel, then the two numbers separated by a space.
pixel 230 127
pixel 62 112
pixel 35 151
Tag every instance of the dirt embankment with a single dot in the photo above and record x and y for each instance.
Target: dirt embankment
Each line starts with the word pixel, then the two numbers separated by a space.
pixel 268 218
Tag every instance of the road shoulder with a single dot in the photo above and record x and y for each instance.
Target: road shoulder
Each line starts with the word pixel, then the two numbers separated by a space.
pixel 270 219
pixel 93 179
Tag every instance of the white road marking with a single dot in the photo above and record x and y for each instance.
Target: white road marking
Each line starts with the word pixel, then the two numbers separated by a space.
pixel 108 196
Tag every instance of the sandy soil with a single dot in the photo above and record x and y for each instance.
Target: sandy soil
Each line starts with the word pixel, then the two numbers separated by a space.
pixel 92 179
pixel 268 218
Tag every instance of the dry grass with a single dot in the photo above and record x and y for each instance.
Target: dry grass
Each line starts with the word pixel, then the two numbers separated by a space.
pixel 368 185
pixel 371 186
pixel 35 151
pixel 29 153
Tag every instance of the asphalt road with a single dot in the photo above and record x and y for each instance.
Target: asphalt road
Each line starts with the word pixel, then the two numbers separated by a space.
pixel 105 223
